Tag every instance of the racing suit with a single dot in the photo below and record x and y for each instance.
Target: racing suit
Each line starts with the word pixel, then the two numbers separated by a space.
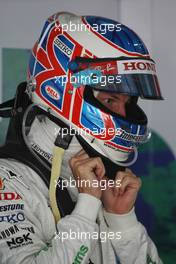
pixel 29 234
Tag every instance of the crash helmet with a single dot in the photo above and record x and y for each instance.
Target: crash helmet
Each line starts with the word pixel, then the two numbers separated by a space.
pixel 77 57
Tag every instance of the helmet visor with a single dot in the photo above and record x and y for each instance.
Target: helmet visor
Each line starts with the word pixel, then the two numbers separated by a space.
pixel 134 77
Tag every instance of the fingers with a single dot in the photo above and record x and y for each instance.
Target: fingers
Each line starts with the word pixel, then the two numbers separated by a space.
pixel 82 163
pixel 78 157
pixel 86 169
pixel 127 180
pixel 94 165
pixel 81 154
pixel 99 168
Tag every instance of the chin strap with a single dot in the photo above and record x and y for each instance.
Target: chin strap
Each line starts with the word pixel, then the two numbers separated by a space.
pixel 54 181
pixel 61 144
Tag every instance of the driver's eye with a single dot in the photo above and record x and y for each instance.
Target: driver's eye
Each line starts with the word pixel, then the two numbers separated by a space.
pixel 111 103
pixel 116 103
pixel 108 101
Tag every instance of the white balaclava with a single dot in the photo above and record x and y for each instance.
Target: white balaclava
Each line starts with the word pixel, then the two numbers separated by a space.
pixel 42 134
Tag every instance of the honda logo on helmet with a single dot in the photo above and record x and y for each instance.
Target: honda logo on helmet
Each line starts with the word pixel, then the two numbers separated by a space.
pixel 139 66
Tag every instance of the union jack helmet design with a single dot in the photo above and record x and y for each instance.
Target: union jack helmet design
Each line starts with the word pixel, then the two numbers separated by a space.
pixel 76 56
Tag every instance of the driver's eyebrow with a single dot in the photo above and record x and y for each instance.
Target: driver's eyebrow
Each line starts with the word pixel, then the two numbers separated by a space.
pixel 115 96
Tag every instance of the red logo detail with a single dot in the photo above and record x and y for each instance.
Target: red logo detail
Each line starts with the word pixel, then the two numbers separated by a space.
pixel 107 68
pixel 9 196
pixel 52 93
pixel 119 147
pixel 140 65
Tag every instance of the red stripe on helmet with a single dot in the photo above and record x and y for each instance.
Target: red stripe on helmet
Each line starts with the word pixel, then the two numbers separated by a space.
pixel 126 149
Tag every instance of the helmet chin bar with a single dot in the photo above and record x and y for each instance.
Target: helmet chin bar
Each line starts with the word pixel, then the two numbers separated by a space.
pixel 111 167
pixel 124 164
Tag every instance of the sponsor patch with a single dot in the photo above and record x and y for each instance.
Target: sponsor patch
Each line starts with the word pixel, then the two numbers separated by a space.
pixel 12 230
pixel 136 66
pixel 81 255
pixel 130 137
pixel 41 152
pixel 12 218
pixel 106 68
pixel 9 196
pixel 52 92
pixel 19 241
pixel 11 207
pixel 29 229
pixel 63 47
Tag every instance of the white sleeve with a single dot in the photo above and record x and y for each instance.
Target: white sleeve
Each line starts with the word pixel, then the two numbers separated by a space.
pixel 26 220
pixel 134 246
